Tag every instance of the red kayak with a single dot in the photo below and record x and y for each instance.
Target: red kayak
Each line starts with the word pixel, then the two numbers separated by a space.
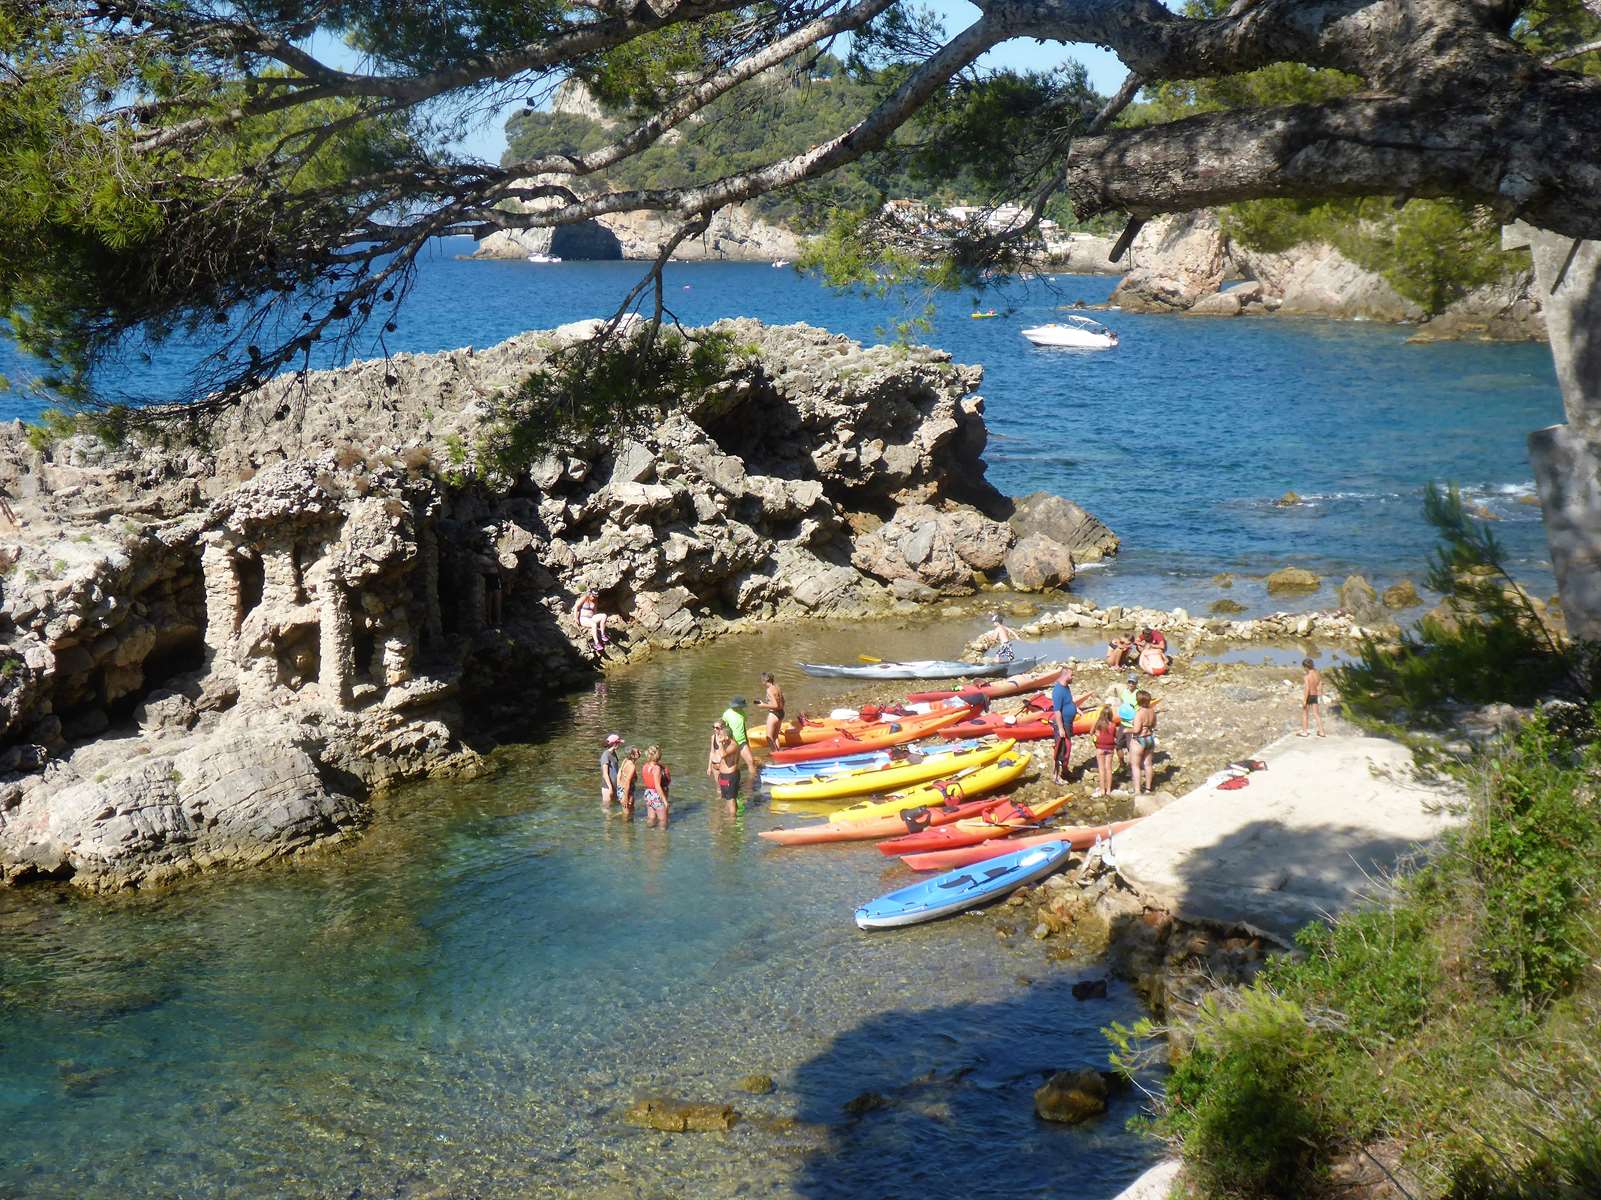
pixel 1000 689
pixel 884 735
pixel 1007 817
pixel 863 831
pixel 1032 724
pixel 1080 837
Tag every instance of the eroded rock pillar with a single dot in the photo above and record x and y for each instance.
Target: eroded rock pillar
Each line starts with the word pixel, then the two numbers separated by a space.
pixel 1567 458
pixel 336 647
pixel 222 598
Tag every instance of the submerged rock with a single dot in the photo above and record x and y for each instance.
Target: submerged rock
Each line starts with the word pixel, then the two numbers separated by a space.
pixel 681 1116
pixel 1402 595
pixel 1293 579
pixel 756 1085
pixel 1071 1097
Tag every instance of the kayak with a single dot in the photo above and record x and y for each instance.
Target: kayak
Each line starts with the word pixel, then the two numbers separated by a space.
pixel 1025 726
pixel 818 767
pixel 906 821
pixel 957 891
pixel 1001 689
pixel 997 820
pixel 923 668
pixel 882 737
pixel 803 731
pixel 1079 837
pixel 1007 767
pixel 865 781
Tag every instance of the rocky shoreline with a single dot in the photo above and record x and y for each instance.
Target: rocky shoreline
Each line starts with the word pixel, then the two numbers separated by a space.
pixel 216 653
pixel 1181 264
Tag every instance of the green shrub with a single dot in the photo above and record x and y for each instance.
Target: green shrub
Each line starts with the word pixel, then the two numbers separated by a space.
pixel 1240 1103
pixel 1488 644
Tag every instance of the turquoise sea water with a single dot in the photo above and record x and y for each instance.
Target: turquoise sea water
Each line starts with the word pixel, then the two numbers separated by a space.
pixel 461 1003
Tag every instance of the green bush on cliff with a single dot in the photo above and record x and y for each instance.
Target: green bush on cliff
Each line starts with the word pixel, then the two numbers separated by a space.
pixel 1453 1019
pixel 1432 252
pixel 593 390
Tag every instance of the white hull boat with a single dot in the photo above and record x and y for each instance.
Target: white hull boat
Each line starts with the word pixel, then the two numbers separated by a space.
pixel 1079 333
pixel 544 258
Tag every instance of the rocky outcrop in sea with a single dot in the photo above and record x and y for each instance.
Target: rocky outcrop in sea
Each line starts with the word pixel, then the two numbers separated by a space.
pixel 217 652
pixel 1186 263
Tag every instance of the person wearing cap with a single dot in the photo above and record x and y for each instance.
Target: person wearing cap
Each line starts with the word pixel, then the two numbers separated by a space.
pixel 998 637
pixel 734 718
pixel 608 769
pixel 1121 696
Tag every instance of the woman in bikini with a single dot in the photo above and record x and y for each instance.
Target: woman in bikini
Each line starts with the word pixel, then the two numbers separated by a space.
pixel 773 702
pixel 589 618
pixel 656 779
pixel 1142 740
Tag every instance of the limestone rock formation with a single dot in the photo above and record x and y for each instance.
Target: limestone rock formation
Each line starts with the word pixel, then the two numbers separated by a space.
pixel 1085 537
pixel 734 235
pixel 1179 264
pixel 1293 579
pixel 1038 563
pixel 213 653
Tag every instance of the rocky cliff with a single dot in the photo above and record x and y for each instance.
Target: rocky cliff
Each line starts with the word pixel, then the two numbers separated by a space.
pixel 734 235
pixel 1180 264
pixel 215 653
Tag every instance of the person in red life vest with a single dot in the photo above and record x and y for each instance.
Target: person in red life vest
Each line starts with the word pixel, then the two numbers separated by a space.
pixel 656 779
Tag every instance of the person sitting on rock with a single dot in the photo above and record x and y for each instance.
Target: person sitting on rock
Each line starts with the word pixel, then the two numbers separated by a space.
pixel 1152 648
pixel 589 618
pixel 998 637
pixel 1118 651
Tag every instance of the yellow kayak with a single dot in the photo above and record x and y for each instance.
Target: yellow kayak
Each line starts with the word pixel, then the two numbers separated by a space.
pixel 976 780
pixel 869 780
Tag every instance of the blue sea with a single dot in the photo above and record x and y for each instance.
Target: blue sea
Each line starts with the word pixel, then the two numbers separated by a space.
pixel 465 1002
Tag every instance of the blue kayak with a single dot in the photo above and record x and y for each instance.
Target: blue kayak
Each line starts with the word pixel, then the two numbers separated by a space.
pixel 964 888
pixel 819 767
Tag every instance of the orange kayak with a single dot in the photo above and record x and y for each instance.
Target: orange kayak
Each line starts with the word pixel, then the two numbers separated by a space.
pixel 882 735
pixel 996 821
pixel 1079 837
pixel 883 827
pixel 803 731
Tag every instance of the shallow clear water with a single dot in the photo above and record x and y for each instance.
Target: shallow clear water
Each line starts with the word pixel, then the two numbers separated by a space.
pixel 463 1002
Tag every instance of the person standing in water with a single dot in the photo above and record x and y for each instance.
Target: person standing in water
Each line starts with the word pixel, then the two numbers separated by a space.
pixel 734 719
pixel 608 769
pixel 723 766
pixel 627 774
pixel 656 779
pixel 998 638
pixel 773 702
pixel 1311 698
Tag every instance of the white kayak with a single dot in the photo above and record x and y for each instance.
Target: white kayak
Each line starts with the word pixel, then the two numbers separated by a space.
pixel 923 668
pixel 964 888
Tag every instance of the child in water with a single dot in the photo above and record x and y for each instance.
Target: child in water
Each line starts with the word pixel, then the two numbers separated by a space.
pixel 627 773
pixel 656 779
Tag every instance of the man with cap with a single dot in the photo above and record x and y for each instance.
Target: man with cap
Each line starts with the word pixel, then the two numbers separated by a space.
pixel 734 718
pixel 608 769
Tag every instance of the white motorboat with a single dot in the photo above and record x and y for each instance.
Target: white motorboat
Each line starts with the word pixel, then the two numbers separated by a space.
pixel 1080 333
pixel 544 258
pixel 780 263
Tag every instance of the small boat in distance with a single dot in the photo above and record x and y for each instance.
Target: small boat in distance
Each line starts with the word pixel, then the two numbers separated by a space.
pixel 544 258
pixel 780 263
pixel 985 315
pixel 1076 332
